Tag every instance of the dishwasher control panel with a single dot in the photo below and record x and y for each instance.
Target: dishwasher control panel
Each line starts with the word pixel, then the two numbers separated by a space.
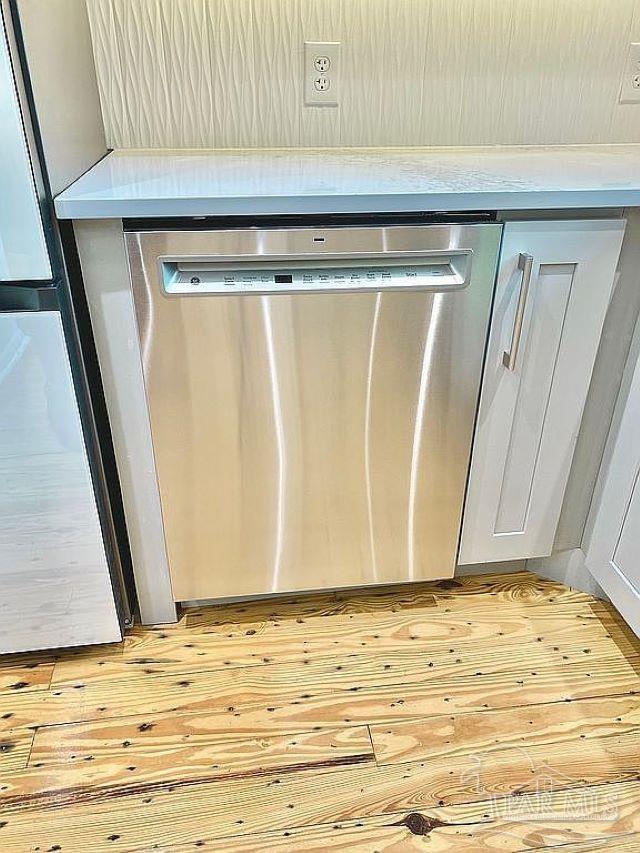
pixel 186 277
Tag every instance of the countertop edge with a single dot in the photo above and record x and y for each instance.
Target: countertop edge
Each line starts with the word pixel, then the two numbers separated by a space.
pixel 530 199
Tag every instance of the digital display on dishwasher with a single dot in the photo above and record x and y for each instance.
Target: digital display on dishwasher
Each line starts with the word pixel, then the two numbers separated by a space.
pixel 212 279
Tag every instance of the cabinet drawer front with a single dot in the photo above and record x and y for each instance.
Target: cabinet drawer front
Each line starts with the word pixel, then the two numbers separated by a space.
pixel 535 382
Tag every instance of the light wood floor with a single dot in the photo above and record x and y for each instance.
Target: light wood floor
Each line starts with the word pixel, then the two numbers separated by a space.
pixel 498 713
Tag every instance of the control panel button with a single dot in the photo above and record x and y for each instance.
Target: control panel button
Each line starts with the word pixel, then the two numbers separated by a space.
pixel 308 278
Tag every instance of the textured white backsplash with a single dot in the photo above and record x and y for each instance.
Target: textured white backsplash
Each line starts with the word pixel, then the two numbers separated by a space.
pixel 228 73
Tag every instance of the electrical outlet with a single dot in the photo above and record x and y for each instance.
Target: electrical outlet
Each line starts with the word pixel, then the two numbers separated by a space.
pixel 321 73
pixel 630 89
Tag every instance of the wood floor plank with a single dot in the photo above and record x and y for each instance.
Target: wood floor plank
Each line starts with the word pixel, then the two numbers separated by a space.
pixel 355 672
pixel 518 586
pixel 136 768
pixel 309 608
pixel 410 832
pixel 25 677
pixel 204 709
pixel 474 606
pixel 71 664
pixel 180 814
pixel 464 734
pixel 554 817
pixel 466 655
pixel 385 834
pixel 515 587
pixel 394 833
pixel 24 673
pixel 159 651
pixel 15 747
pixel 619 843
pixel 363 618
pixel 283 608
pixel 523 586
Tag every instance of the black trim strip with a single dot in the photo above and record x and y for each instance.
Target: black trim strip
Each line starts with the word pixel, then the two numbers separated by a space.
pixel 305 220
pixel 23 297
pixel 113 507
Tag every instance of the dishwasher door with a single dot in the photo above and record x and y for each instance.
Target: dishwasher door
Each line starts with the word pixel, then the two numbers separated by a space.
pixel 312 395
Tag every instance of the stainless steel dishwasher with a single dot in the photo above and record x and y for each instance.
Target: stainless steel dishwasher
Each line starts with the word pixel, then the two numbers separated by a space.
pixel 312 395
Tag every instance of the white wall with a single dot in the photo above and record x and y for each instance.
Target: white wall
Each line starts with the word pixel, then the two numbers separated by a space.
pixel 227 73
pixel 63 79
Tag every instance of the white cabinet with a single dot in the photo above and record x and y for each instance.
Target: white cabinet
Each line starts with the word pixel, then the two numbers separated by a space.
pixel 556 278
pixel 613 552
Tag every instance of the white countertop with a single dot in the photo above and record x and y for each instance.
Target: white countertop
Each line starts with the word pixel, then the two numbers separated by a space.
pixel 161 183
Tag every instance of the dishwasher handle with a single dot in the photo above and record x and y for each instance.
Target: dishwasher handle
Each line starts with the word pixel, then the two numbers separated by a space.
pixel 525 265
pixel 419 271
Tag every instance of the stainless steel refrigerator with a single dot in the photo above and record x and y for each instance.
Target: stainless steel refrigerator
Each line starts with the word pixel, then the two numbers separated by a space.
pixel 61 577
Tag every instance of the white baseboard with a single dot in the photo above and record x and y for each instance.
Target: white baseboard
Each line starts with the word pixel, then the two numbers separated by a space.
pixel 568 567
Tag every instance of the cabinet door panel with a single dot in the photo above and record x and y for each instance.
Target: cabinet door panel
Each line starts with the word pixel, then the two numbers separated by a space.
pixel 548 306
pixel 626 556
pixel 613 552
pixel 530 415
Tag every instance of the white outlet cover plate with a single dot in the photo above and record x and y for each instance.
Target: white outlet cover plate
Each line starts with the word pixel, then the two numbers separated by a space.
pixel 322 87
pixel 630 89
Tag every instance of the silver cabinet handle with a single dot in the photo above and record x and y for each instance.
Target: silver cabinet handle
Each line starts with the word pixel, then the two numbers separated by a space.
pixel 525 263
